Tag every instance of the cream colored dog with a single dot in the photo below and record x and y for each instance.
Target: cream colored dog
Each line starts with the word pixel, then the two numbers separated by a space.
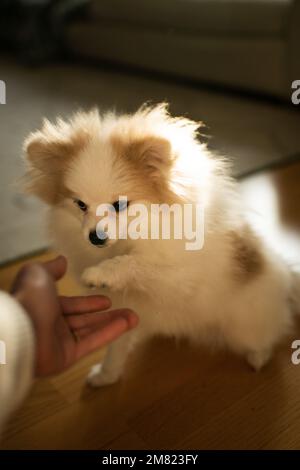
pixel 234 292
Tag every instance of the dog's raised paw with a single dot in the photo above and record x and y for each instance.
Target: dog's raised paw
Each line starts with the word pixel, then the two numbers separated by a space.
pixel 104 276
pixel 93 277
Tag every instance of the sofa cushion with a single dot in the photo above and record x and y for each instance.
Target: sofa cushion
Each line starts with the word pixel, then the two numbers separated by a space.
pixel 268 17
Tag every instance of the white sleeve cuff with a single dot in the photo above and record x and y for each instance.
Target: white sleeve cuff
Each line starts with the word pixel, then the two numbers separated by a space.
pixel 16 355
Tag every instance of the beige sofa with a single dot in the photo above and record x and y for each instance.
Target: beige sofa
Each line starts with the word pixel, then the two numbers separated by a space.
pixel 247 44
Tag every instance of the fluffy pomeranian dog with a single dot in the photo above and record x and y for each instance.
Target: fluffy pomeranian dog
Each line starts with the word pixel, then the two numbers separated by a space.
pixel 233 292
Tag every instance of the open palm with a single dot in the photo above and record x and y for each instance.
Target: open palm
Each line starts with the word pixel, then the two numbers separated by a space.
pixel 66 328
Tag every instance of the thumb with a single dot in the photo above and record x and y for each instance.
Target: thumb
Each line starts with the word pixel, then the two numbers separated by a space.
pixel 56 267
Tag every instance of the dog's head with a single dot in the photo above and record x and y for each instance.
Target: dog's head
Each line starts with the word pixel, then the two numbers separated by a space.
pixel 92 162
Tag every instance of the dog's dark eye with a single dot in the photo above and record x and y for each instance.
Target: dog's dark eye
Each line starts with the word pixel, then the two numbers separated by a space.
pixel 82 206
pixel 121 205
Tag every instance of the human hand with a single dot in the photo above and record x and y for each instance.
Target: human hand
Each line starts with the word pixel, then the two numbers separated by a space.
pixel 66 328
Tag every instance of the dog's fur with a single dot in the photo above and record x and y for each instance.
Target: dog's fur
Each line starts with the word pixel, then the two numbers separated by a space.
pixel 234 291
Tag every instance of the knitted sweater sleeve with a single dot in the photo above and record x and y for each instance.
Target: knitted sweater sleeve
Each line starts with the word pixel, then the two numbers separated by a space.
pixel 16 355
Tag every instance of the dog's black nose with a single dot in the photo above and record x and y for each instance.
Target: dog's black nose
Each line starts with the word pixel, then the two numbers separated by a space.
pixel 95 240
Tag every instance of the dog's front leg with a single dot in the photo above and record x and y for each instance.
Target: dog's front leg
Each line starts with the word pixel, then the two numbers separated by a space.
pixel 114 274
pixel 111 369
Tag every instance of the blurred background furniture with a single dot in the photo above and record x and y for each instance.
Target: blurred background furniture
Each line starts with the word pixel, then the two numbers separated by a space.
pixel 248 45
pixel 54 56
pixel 34 28
pixel 245 44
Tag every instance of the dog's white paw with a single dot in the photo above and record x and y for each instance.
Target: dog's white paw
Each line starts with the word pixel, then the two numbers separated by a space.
pixel 258 359
pixel 97 378
pixel 111 274
pixel 95 276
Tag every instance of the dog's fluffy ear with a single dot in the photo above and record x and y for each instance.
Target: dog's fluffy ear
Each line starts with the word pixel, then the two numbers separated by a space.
pixel 152 155
pixel 48 153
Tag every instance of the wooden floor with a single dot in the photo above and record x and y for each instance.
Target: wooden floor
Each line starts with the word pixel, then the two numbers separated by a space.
pixel 173 396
